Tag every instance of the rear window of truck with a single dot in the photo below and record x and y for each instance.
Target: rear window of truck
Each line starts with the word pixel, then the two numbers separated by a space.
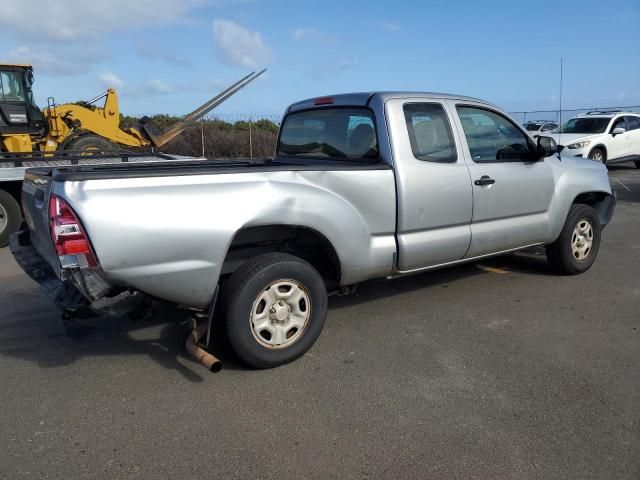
pixel 330 133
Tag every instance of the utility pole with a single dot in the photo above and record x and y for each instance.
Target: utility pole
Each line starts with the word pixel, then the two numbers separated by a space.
pixel 202 135
pixel 250 140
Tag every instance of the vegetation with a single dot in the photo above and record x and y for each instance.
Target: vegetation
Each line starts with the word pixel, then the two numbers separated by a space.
pixel 222 139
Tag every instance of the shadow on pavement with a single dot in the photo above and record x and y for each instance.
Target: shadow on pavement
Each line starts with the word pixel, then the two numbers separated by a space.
pixel 41 338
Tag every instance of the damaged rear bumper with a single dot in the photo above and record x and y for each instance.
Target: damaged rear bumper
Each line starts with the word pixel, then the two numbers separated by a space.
pixel 76 295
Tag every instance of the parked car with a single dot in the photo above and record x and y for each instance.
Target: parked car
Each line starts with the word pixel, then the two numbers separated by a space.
pixel 362 186
pixel 606 137
pixel 539 127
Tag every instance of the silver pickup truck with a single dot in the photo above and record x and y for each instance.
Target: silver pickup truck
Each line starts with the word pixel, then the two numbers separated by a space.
pixel 362 186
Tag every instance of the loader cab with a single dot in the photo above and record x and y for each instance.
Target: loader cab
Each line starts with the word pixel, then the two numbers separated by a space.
pixel 19 113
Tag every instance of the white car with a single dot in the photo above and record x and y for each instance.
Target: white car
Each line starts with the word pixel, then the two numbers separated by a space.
pixel 607 137
pixel 539 127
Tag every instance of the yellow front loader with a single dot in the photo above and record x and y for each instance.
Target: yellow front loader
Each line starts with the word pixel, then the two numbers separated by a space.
pixel 84 127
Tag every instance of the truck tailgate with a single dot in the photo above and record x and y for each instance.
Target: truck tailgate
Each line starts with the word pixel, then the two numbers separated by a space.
pixel 36 191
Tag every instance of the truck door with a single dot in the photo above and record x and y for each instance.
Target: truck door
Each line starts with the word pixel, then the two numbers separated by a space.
pixel 511 192
pixel 434 187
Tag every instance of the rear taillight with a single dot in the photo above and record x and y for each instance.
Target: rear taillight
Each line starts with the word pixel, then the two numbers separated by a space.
pixel 69 238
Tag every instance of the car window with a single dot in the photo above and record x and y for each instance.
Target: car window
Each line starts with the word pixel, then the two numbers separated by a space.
pixel 548 126
pixel 618 123
pixel 492 137
pixel 331 133
pixel 532 127
pixel 430 132
pixel 633 123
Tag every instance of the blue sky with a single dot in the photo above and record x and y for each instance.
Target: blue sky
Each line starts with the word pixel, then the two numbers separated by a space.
pixel 169 56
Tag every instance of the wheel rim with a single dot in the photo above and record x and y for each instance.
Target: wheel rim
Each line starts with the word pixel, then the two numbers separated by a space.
pixel 597 156
pixel 280 314
pixel 4 221
pixel 582 240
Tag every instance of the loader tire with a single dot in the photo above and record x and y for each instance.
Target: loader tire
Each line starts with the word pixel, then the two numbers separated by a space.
pixel 90 144
pixel 10 216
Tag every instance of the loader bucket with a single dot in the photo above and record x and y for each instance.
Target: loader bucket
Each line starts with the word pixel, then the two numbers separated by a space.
pixel 159 138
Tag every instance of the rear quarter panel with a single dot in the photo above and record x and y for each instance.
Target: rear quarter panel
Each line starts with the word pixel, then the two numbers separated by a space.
pixel 168 236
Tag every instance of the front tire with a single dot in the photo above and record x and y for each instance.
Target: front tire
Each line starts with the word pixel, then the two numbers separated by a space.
pixel 10 216
pixel 89 144
pixel 275 306
pixel 575 250
pixel 598 155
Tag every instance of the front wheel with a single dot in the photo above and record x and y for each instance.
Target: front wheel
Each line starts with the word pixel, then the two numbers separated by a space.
pixel 275 307
pixel 575 250
pixel 598 155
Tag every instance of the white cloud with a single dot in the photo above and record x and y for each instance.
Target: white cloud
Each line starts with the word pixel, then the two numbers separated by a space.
pixel 390 26
pixel 64 61
pixel 238 46
pixel 110 80
pixel 70 20
pixel 158 87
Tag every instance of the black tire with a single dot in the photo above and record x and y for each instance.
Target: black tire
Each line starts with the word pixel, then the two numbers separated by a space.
pixel 599 155
pixel 637 163
pixel 560 253
pixel 10 216
pixel 240 299
pixel 91 144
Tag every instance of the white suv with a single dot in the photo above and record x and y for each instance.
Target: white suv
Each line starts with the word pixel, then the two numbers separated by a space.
pixel 607 137
pixel 539 127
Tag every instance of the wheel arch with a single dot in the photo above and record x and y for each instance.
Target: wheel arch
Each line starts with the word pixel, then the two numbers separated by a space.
pixel 301 241
pixel 602 202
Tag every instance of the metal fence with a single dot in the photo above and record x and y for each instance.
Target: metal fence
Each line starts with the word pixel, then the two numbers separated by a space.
pixel 555 115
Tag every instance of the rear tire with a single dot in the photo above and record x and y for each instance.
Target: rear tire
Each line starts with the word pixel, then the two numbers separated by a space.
pixel 575 250
pixel 274 306
pixel 10 216
pixel 90 144
pixel 598 155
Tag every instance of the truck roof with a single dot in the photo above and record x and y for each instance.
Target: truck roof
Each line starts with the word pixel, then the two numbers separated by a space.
pixel 364 98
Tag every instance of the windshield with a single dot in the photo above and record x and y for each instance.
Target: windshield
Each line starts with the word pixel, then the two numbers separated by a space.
pixel 532 127
pixel 332 133
pixel 11 86
pixel 584 125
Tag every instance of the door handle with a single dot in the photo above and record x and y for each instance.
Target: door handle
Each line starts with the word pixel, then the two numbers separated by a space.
pixel 484 180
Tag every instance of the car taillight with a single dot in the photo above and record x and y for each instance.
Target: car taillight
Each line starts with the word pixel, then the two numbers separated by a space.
pixel 68 235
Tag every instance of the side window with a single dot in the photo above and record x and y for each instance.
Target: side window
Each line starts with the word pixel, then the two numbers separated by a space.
pixel 492 137
pixel 618 123
pixel 547 127
pixel 633 123
pixel 430 132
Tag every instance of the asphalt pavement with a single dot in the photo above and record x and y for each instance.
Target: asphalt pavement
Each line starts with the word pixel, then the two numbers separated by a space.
pixel 498 370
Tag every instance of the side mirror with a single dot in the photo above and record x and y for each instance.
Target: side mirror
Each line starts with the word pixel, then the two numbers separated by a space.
pixel 546 146
pixel 618 131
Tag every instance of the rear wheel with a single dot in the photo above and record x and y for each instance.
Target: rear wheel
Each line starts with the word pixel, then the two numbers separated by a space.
pixel 90 144
pixel 575 250
pixel 274 306
pixel 598 155
pixel 10 216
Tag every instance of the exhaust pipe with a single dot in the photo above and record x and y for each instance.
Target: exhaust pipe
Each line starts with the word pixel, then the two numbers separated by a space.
pixel 197 352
